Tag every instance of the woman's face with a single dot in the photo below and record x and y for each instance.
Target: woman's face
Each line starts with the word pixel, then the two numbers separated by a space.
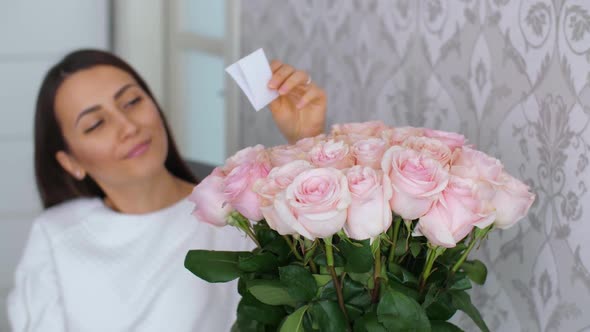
pixel 112 127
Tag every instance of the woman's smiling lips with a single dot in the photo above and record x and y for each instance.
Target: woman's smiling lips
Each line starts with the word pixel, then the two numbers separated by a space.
pixel 139 149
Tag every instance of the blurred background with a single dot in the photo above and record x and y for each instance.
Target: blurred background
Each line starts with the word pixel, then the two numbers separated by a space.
pixel 511 75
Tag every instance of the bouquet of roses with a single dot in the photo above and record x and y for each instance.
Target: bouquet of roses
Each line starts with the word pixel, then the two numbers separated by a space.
pixel 368 228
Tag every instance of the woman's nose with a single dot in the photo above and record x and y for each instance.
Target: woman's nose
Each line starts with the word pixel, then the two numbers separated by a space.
pixel 127 126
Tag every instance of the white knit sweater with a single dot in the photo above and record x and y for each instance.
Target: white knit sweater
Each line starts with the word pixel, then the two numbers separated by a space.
pixel 88 268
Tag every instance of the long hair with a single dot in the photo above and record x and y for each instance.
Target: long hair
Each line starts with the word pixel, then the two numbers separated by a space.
pixel 55 185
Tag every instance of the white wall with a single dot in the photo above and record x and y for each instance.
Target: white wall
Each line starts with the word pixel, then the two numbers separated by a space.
pixel 33 35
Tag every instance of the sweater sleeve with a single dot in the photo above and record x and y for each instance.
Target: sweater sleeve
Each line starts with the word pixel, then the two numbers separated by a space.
pixel 35 303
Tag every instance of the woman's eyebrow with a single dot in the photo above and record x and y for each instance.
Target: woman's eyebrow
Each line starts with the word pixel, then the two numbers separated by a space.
pixel 95 108
pixel 86 111
pixel 122 90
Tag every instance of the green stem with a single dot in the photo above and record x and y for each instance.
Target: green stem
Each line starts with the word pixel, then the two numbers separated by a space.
pixel 337 286
pixel 292 246
pixel 396 227
pixel 339 293
pixel 329 251
pixel 238 220
pixel 376 276
pixel 431 256
pixel 463 257
pixel 251 234
pixel 479 234
pixel 314 268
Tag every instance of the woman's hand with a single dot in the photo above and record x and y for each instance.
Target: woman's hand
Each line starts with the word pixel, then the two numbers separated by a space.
pixel 300 110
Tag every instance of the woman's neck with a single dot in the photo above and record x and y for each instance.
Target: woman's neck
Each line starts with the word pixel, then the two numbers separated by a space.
pixel 147 196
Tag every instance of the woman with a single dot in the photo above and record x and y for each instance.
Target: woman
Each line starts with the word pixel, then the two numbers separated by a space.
pixel 107 254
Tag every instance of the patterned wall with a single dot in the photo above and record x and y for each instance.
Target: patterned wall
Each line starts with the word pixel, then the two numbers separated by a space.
pixel 512 75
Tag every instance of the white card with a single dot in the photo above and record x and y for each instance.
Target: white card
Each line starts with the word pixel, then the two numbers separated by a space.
pixel 252 73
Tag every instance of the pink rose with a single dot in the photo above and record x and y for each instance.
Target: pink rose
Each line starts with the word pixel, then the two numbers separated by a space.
pixel 371 128
pixel 238 186
pixel 417 181
pixel 512 201
pixel 316 203
pixel 458 210
pixel 307 143
pixel 284 154
pixel 276 182
pixel 452 140
pixel 431 147
pixel 369 152
pixel 331 154
pixel 474 164
pixel 211 206
pixel 396 136
pixel 242 156
pixel 369 213
pixel 350 139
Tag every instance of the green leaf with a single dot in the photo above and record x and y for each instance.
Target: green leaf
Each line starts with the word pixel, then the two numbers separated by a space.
pixel 271 292
pixel 460 282
pixel 300 283
pixel 250 308
pixel 328 316
pixel 322 279
pixel 440 326
pixel 408 291
pixel 272 241
pixel 400 247
pixel 431 296
pixel 476 271
pixel 350 289
pixel 415 248
pixel 368 323
pixel 402 275
pixel 441 308
pixel 248 326
pixel 452 255
pixel 280 248
pixel 353 311
pixel 261 262
pixel 398 312
pixel 320 259
pixel 214 266
pixel 362 278
pixel 439 275
pixel 462 301
pixel 265 234
pixel 242 286
pixel 357 255
pixel 362 300
pixel 294 322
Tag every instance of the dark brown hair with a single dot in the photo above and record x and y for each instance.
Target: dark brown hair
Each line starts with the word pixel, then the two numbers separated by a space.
pixel 55 185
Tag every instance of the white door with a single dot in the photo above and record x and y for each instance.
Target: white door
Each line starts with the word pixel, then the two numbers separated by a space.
pixel 203 39
pixel 33 36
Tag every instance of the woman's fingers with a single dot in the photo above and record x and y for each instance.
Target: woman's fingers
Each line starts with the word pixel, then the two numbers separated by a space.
pixel 310 96
pixel 280 74
pixel 295 79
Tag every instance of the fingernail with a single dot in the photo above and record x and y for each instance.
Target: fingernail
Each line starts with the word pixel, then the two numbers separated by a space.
pixel 300 105
pixel 282 90
pixel 272 84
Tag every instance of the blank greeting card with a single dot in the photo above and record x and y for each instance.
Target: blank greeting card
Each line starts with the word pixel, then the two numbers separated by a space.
pixel 252 73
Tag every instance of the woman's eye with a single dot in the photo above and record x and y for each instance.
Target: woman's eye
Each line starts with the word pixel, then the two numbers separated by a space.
pixel 96 125
pixel 133 102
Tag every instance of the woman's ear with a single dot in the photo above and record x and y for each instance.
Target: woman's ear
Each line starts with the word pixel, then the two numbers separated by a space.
pixel 70 165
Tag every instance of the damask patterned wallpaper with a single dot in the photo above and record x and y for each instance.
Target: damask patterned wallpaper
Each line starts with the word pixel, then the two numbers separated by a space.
pixel 512 75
